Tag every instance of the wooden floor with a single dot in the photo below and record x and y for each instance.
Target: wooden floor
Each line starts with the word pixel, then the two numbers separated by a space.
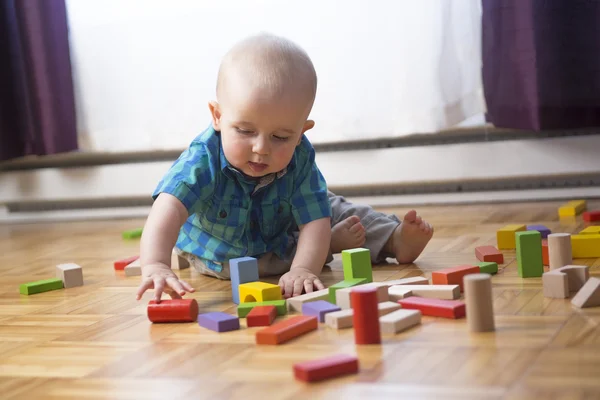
pixel 95 341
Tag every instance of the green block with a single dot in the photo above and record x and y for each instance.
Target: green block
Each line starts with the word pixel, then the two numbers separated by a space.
pixel 133 234
pixel 488 268
pixel 45 285
pixel 357 264
pixel 342 285
pixel 244 308
pixel 529 254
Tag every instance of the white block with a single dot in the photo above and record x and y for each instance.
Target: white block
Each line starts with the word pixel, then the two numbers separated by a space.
pixel 399 320
pixel 71 275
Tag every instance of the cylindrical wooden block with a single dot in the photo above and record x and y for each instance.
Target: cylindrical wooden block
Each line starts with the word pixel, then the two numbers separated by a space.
pixel 176 310
pixel 559 250
pixel 366 315
pixel 478 298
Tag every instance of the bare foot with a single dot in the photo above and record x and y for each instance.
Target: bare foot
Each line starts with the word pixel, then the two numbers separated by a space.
pixel 410 238
pixel 348 234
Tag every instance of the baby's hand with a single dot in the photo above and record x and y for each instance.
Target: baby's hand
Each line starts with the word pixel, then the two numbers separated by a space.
pixel 296 279
pixel 162 279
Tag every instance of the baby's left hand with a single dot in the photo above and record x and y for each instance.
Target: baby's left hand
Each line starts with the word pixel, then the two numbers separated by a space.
pixel 296 279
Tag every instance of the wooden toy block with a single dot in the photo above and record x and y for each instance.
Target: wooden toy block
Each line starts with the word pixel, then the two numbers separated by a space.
pixel 71 275
pixel 134 269
pixel 445 292
pixel 417 280
pixel 588 295
pixel 261 316
pixel 357 264
pixel 435 307
pixel 253 292
pixel 591 230
pixel 489 253
pixel 178 262
pixel 325 368
pixel 479 304
pixel 288 329
pixel 342 296
pixel 133 233
pixel 344 318
pixel 560 283
pixel 488 268
pixel 454 275
pixel 319 308
pixel 591 216
pixel 343 285
pixel 366 316
pixel 242 270
pixel 121 264
pixel 387 307
pixel 572 208
pixel 44 285
pixel 585 246
pixel 529 254
pixel 295 303
pixel 399 321
pixel 506 236
pixel 219 321
pixel 543 230
pixel 398 292
pixel 559 250
pixel 545 253
pixel 280 306
pixel 175 310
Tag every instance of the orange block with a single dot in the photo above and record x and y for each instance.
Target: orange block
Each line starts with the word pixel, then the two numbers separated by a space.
pixel 545 254
pixel 287 329
pixel 261 316
pixel 489 254
pixel 454 275
pixel 121 264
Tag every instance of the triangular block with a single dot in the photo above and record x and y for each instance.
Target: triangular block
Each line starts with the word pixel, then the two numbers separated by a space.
pixel 588 295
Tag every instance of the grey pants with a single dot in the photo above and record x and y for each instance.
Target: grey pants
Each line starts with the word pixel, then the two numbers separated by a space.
pixel 378 228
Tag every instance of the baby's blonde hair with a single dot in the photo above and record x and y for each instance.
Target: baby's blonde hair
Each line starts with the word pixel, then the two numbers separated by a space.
pixel 272 64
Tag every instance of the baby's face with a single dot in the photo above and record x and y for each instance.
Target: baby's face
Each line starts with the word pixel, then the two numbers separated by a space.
pixel 259 133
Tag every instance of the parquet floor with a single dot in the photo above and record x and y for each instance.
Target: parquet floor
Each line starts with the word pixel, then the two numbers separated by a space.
pixel 96 342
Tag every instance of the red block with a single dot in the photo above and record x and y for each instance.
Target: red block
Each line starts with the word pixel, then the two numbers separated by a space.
pixel 489 253
pixel 591 216
pixel 545 254
pixel 366 315
pixel 121 264
pixel 435 307
pixel 261 316
pixel 287 329
pixel 329 367
pixel 454 275
pixel 176 310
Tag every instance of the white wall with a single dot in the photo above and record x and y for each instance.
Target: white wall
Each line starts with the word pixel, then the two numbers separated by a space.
pixel 145 69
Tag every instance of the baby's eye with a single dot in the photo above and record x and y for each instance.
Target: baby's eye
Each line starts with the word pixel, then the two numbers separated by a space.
pixel 243 131
pixel 281 138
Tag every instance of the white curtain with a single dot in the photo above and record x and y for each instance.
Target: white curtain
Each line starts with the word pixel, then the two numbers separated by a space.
pixel 145 70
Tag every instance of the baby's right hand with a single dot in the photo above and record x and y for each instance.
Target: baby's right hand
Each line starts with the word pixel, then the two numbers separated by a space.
pixel 162 279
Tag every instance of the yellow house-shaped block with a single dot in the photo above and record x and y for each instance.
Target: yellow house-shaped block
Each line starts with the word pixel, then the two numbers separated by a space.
pixel 252 292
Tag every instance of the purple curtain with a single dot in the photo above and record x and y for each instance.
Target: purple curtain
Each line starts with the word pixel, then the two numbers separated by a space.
pixel 37 106
pixel 541 63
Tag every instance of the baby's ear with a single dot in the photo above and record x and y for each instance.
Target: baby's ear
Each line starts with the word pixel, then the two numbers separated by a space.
pixel 309 124
pixel 215 112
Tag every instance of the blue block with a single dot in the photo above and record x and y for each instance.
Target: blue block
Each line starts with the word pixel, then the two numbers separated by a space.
pixel 544 231
pixel 219 322
pixel 242 270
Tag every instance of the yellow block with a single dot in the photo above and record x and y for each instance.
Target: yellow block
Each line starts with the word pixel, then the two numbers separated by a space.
pixel 258 292
pixel 572 208
pixel 506 236
pixel 591 230
pixel 585 246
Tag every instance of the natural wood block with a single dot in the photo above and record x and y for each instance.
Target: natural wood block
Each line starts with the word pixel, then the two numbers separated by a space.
pixel 71 275
pixel 445 292
pixel 590 230
pixel 343 285
pixel 560 283
pixel 454 275
pixel 295 303
pixel 591 216
pixel 325 368
pixel 400 292
pixel 416 280
pixel 344 318
pixel 489 253
pixel 559 250
pixel 280 305
pixel 342 296
pixel 357 264
pixel 529 254
pixel 478 298
pixel 588 295
pixel 585 246
pixel 387 307
pixel 399 321
pixel 505 237
pixel 287 329
pixel 134 269
pixel 253 292
pixel 435 307
pixel 44 285
pixel 572 208
pixel 365 318
pixel 120 265
pixel 261 316
pixel 174 310
pixel 178 262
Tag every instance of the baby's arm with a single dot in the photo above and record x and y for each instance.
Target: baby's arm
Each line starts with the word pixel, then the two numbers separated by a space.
pixel 311 254
pixel 160 233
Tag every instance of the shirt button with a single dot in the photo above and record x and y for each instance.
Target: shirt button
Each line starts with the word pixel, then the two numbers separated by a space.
pixel 223 214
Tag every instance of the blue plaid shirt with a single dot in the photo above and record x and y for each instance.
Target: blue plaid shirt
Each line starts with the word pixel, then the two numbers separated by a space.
pixel 232 215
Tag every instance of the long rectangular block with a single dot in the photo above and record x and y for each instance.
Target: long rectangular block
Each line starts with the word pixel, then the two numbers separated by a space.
pixel 219 321
pixel 288 329
pixel 357 264
pixel 445 292
pixel 120 265
pixel 435 307
pixel 44 285
pixel 134 269
pixel 399 320
pixel 505 237
pixel 572 208
pixel 529 254
pixel 415 280
pixel 342 296
pixel 319 308
pixel 261 316
pixel 295 303
pixel 242 270
pixel 585 246
pixel 325 368
pixel 453 275
pixel 588 295
pixel 590 230
pixel 543 230
pixel 489 253
pixel 591 216
pixel 344 318
pixel 488 268
pixel 71 275
pixel 343 285
pixel 132 233
pixel 280 306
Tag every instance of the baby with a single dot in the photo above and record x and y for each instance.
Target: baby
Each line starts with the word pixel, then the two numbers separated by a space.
pixel 249 185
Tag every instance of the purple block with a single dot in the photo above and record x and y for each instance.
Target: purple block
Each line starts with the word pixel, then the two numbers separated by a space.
pixel 319 308
pixel 541 229
pixel 219 322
